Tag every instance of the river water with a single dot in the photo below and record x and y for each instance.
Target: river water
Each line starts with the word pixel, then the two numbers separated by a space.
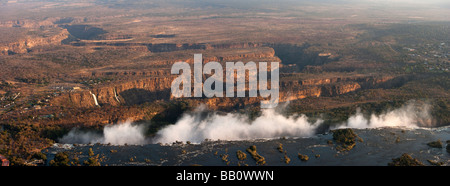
pixel 378 148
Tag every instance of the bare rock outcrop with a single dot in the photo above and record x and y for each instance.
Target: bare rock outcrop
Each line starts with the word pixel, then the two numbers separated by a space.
pixel 26 45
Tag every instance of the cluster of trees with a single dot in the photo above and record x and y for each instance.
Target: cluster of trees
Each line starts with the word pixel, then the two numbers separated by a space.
pixel 5 85
pixel 303 55
pixel 22 138
pixel 67 58
pixel 71 159
pixel 39 81
pixel 409 34
pixel 21 142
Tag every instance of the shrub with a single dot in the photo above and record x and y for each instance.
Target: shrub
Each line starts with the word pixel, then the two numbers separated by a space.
pixel 241 155
pixel 91 152
pixel 224 157
pixel 40 156
pixel 435 144
pixel 260 160
pixel 346 138
pixel 61 159
pixel 92 161
pixel 287 159
pixel 303 157
pixel 405 160
pixel 280 147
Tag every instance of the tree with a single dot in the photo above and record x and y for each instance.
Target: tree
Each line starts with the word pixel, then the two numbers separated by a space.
pixel 93 159
pixel 91 152
pixel 39 156
pixel 61 159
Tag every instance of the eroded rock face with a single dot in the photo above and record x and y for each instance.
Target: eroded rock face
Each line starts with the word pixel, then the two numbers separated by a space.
pixel 27 23
pixel 26 45
pixel 339 88
pixel 135 92
pixel 128 93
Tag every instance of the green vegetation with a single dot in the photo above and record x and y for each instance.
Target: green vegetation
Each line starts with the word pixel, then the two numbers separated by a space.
pixel 75 161
pixel 65 159
pixel 91 152
pixel 61 159
pixel 93 159
pixel 19 142
pixel 280 147
pixel 303 157
pixel 241 155
pixel 225 158
pixel 435 144
pixel 39 156
pixel 441 108
pixel 91 83
pixel 404 34
pixel 405 160
pixel 38 81
pixel 413 53
pixel 345 138
pixel 260 160
pixel 287 159
pixel 5 85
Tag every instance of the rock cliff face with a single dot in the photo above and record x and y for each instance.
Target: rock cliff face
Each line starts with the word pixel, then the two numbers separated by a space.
pixel 132 73
pixel 158 88
pixel 128 93
pixel 26 45
pixel 170 47
pixel 27 23
pixel 340 88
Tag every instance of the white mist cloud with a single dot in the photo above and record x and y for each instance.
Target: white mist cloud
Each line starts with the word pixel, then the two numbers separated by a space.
pixel 271 124
pixel 411 115
pixel 124 133
pixel 236 127
pixel 118 134
pixel 82 137
pixel 199 125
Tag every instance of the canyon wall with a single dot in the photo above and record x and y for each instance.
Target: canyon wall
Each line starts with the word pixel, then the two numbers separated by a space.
pixel 26 45
pixel 144 90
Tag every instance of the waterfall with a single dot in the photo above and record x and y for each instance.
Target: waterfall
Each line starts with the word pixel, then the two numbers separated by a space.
pixel 95 99
pixel 115 95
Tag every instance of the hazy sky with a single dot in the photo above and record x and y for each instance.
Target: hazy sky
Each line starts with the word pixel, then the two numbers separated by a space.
pixel 411 2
